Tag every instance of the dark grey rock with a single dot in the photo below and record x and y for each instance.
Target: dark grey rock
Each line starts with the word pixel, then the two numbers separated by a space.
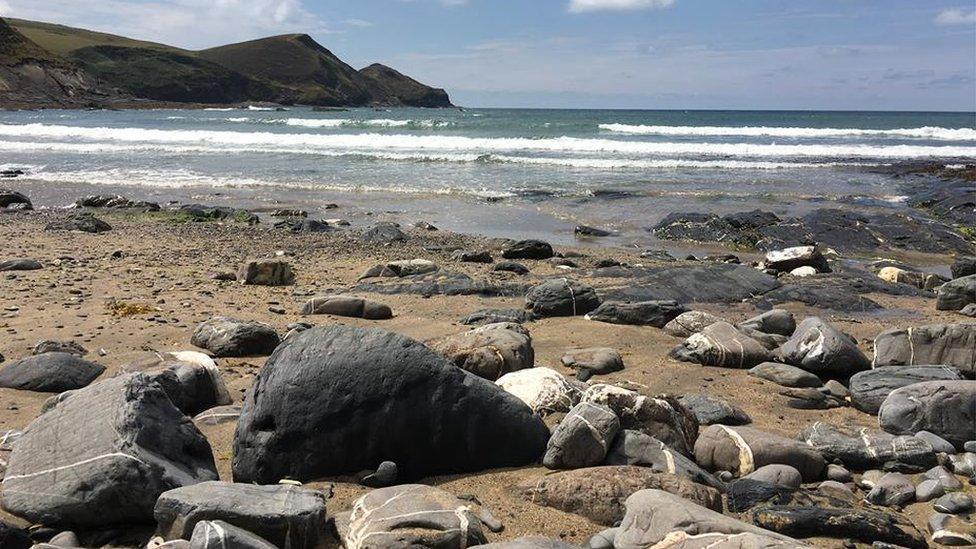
pixel 79 222
pixel 785 375
pixel 201 212
pixel 944 477
pixel 12 537
pixel 329 385
pixel 662 417
pixel 838 473
pixel 865 448
pixel 229 337
pixel 14 200
pixel 493 316
pixel 709 410
pixel 945 408
pixel 963 265
pixel 442 283
pixel 384 234
pixel 124 443
pixel 951 345
pixel 49 373
pixel 955 503
pixel 302 225
pixel 956 294
pixel 645 313
pixel 894 489
pixel 952 530
pixel 636 448
pixel 927 490
pixel 708 283
pixel 472 256
pixel 939 444
pixel 741 450
pixel 583 230
pixel 811 399
pixel 777 321
pixel 384 475
pixel 771 342
pixel 116 202
pixel 217 534
pixel 582 438
pixel 286 516
pixel 191 380
pixel 561 297
pixel 593 361
pixel 778 474
pixel 871 387
pixel 723 346
pixel 528 249
pixel 820 348
pixel 349 306
pixel 20 264
pixel 510 267
pixel 788 259
pixel 863 524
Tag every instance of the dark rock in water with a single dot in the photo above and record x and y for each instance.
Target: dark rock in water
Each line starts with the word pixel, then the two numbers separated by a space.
pixel 348 306
pixel 410 515
pixel 740 450
pixel 723 346
pixel 870 388
pixel 228 337
pixel 472 256
pixel 301 225
pixel 561 297
pixel 952 345
pixel 598 493
pixel 710 410
pixel 964 265
pixel 583 230
pixel 124 443
pixel 582 438
pixel 79 222
pixel 488 351
pixel 893 490
pixel 636 448
pixel 287 516
pixel 777 321
pixel 14 200
pixel 49 373
pixel 653 515
pixel 708 283
pixel 593 361
pixel 321 387
pixel 116 202
pixel 752 220
pixel 20 265
pixel 867 525
pixel 662 417
pixel 442 283
pixel 12 537
pixel 510 267
pixel 820 348
pixel 528 249
pixel 190 379
pixel 790 259
pixel 385 233
pixel 645 313
pixel 785 375
pixel 266 272
pixel 956 294
pixel 492 316
pixel 51 346
pixel 945 408
pixel 867 449
pixel 218 534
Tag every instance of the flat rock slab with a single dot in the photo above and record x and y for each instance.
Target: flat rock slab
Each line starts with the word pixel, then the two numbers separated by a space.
pixel 871 387
pixel 442 283
pixel 864 449
pixel 786 375
pixel 49 373
pixel 286 516
pixel 598 493
pixel 866 525
pixel 20 265
pixel 956 294
pixel 103 454
pixel 951 345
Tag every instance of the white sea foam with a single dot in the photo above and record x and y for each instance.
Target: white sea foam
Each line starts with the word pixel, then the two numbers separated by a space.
pixel 371 142
pixel 927 132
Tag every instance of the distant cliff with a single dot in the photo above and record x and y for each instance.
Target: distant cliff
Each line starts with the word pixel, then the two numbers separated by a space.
pixel 81 66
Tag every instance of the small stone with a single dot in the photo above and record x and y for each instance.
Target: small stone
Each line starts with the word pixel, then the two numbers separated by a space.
pixel 955 503
pixel 385 475
pixel 838 473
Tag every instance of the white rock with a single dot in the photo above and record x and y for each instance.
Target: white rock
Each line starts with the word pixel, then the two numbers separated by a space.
pixel 544 390
pixel 803 271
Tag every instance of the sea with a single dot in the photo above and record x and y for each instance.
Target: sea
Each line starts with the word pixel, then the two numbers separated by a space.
pixel 499 172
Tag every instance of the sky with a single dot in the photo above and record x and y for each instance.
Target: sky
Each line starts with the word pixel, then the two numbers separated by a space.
pixel 652 54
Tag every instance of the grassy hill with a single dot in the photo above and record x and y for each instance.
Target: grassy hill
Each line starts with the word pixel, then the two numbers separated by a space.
pixel 286 69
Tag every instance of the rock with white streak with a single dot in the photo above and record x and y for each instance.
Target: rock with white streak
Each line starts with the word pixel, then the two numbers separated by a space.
pixel 663 417
pixel 790 259
pixel 862 449
pixel 952 345
pixel 824 350
pixel 217 534
pixel 636 448
pixel 723 346
pixel 544 390
pixel 690 323
pixel 742 450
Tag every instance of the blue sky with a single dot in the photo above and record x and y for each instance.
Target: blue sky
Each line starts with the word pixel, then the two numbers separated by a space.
pixel 722 54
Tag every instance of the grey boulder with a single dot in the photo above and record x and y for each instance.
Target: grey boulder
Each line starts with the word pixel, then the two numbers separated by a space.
pixel 820 348
pixel 956 294
pixel 528 249
pixel 864 449
pixel 103 455
pixel 871 387
pixel 742 450
pixel 582 438
pixel 786 375
pixel 642 313
pixel 20 264
pixel 489 351
pixel 217 534
pixel 778 474
pixel 723 346
pixel 286 516
pixel 349 306
pixel 49 373
pixel 228 337
pixel 709 410
pixel 952 345
pixel 776 321
pixel 328 386
pixel 663 417
pixel 593 361
pixel 789 259
pixel 894 489
pixel 945 408
pixel 690 323
pixel 190 379
pixel 561 297
pixel 636 448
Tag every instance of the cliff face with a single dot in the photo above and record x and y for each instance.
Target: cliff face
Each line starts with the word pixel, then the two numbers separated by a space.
pixel 31 76
pixel 289 69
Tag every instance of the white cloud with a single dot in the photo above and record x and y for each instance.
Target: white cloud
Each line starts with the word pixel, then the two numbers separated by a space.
pixel 581 6
pixel 184 23
pixel 956 16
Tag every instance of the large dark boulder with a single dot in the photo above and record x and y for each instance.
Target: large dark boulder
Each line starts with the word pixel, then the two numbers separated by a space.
pixel 229 337
pixel 287 516
pixel 944 408
pixel 49 373
pixel 956 294
pixel 864 524
pixel 820 348
pixel 86 223
pixel 871 387
pixel 645 313
pixel 339 399
pixel 951 345
pixel 864 449
pixel 102 455
pixel 528 249
pixel 561 297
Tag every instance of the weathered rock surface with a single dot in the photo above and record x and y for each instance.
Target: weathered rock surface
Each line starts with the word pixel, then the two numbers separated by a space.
pixel 951 345
pixel 963 265
pixel 86 223
pixel 348 306
pixel 14 200
pixel 777 321
pixel 598 493
pixel 778 474
pixel 544 390
pixel 690 323
pixel 866 448
pixel 593 361
pixel 820 348
pixel 489 351
pixel 191 380
pixel 330 385
pixel 384 234
pixel 710 410
pixel 20 264
pixel 946 408
pixel 644 313
pixel 636 448
pixel 894 489
pixel 217 534
pixel 863 524
pixel 286 516
pixel 663 418
pixel 741 450
pixel 228 337
pixel 723 346
pixel 956 294
pixel 49 373
pixel 124 444
pixel 871 387
pixel 582 438
pixel 266 272
pixel 561 297
pixel 709 283
pixel 785 375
